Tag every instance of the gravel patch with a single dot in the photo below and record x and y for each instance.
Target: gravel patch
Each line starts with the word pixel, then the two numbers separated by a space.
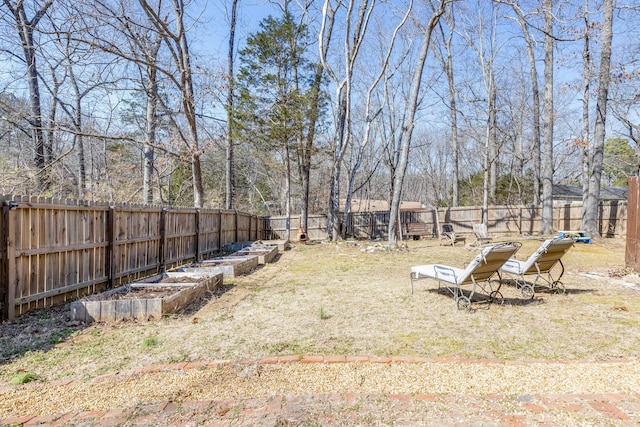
pixel 241 380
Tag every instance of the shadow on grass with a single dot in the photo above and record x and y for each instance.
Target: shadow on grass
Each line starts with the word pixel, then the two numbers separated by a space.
pixel 481 300
pixel 547 289
pixel 37 330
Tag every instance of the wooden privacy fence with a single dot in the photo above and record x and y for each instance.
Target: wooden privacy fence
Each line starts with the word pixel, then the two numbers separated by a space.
pixel 52 251
pixel 524 220
pixel 612 220
pixel 632 248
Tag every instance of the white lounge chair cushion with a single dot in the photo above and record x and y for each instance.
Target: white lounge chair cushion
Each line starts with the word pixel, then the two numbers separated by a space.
pixel 458 276
pixel 514 266
pixel 440 272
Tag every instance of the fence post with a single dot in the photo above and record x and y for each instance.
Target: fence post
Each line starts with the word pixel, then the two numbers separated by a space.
pixel 372 225
pixel 11 263
pixel 163 240
pixel 111 244
pixel 235 236
pixel 4 284
pixel 197 236
pixel 220 230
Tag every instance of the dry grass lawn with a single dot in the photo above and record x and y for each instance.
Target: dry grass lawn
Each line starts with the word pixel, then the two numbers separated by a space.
pixel 329 298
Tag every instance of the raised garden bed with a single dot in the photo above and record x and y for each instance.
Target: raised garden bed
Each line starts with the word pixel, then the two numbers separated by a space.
pixel 265 254
pixel 229 266
pixel 147 299
pixel 236 246
pixel 282 245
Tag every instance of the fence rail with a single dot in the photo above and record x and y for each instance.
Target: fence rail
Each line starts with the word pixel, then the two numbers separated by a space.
pixel 52 251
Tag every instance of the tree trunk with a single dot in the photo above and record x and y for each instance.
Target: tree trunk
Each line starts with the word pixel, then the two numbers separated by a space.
pixel 455 144
pixel 188 102
pixel 338 154
pixel 590 216
pixel 230 190
pixel 493 134
pixel 151 122
pixel 196 173
pixel 77 126
pixel 287 191
pixel 546 226
pixel 586 88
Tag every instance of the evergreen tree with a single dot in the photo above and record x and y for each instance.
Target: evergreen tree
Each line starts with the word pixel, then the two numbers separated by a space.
pixel 274 111
pixel 619 162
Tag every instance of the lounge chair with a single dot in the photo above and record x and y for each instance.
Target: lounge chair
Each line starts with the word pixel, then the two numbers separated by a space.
pixel 450 236
pixel 478 273
pixel 482 235
pixel 540 263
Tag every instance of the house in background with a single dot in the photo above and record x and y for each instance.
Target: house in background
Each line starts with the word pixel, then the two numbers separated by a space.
pixel 368 205
pixel 563 194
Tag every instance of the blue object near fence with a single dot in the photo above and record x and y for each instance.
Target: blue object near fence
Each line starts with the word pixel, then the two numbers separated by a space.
pixel 578 236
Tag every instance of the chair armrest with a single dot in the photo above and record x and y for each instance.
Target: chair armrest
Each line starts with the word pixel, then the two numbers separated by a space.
pixel 512 265
pixel 444 271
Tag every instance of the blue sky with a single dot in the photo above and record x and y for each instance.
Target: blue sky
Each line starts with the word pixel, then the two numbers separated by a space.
pixel 215 34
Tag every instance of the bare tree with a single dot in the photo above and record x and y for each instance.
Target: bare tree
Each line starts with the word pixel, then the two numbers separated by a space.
pixel 354 35
pixel 590 208
pixel 546 226
pixel 130 36
pixel 586 89
pixel 535 101
pixel 446 58
pixel 178 45
pixel 409 122
pixel 85 72
pixel 372 112
pixel 25 28
pixel 486 51
pixel 152 95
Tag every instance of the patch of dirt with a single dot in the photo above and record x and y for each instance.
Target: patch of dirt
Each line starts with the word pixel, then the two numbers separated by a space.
pixel 38 330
